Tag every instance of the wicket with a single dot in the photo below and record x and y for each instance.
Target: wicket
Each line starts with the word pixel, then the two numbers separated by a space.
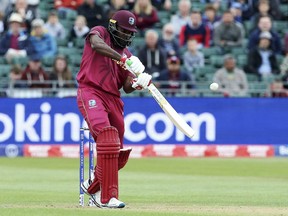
pixel 82 163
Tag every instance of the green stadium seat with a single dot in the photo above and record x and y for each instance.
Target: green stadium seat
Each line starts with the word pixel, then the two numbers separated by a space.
pixel 198 6
pixel 235 51
pixel 101 2
pixel 22 61
pixel 2 60
pixel 248 25
pixel 210 51
pixel 205 70
pixel 164 17
pixel 174 7
pixel 216 61
pixel 71 14
pixel 252 77
pixel 48 61
pixel 4 70
pixel 279 59
pixel 241 60
pixel 280 26
pixel 258 88
pixel 75 60
pixel 79 43
pixel 182 50
pixel 67 24
pixel 67 51
pixel 62 42
pixel 43 14
pixel 284 10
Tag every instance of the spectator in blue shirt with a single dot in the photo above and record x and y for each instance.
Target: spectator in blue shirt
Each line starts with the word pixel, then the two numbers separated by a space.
pixel 41 44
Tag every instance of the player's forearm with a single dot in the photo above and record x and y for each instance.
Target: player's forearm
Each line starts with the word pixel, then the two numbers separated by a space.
pixel 102 48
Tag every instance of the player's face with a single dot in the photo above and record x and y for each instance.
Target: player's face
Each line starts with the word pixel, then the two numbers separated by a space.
pixel 124 34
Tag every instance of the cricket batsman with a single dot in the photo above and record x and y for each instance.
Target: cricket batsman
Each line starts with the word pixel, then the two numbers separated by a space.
pixel 106 67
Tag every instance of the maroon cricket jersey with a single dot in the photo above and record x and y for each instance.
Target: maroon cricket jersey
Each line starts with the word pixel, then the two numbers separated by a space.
pixel 99 72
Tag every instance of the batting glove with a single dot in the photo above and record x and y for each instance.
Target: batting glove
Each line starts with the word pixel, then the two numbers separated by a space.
pixel 142 81
pixel 133 64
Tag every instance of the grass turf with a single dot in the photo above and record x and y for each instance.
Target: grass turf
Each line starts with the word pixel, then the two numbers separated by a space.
pixel 151 186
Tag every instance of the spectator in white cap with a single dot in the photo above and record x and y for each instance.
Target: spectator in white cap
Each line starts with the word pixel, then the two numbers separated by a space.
pixel 41 44
pixel 262 59
pixel 14 43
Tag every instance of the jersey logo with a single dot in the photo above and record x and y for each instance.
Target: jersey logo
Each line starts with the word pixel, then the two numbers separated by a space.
pixel 131 20
pixel 92 104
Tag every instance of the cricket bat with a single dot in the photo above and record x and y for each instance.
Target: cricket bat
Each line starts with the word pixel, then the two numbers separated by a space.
pixel 176 119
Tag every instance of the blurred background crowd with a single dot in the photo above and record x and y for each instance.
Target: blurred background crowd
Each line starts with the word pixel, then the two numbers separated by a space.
pixel 185 45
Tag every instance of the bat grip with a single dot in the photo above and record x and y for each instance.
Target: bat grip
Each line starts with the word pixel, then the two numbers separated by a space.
pixel 129 62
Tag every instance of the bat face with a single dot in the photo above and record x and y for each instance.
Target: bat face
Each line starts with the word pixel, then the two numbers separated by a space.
pixel 177 120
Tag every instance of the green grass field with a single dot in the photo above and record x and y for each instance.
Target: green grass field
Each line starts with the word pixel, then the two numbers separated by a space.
pixel 151 186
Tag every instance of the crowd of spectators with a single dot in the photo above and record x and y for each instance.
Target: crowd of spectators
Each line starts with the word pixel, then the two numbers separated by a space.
pixel 231 42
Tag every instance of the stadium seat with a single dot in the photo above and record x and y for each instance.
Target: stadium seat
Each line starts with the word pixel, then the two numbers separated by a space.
pixel 43 14
pixel 182 50
pixel 280 26
pixel 101 2
pixel 204 77
pixel 22 61
pixel 248 25
pixel 62 42
pixel 48 61
pixel 279 59
pixel 210 51
pixel 235 51
pixel 71 15
pixel 164 17
pixel 284 10
pixel 67 24
pixel 67 51
pixel 198 6
pixel 205 70
pixel 2 60
pixel 174 7
pixel 258 89
pixel 75 60
pixel 4 70
pixel 79 43
pixel 241 60
pixel 252 77
pixel 216 61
